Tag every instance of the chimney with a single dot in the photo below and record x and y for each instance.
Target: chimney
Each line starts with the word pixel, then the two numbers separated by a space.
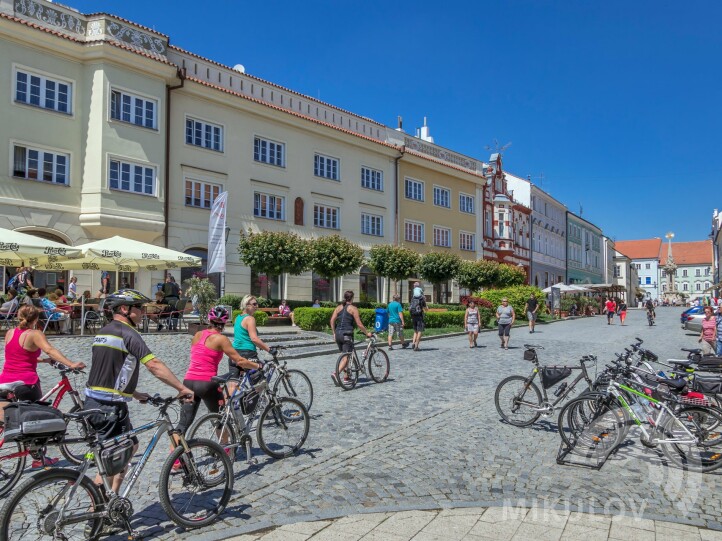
pixel 425 133
pixel 401 123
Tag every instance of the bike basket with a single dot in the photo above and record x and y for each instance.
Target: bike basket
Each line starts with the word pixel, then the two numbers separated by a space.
pixel 32 422
pixel 529 355
pixel 551 375
pixel 116 457
pixel 707 385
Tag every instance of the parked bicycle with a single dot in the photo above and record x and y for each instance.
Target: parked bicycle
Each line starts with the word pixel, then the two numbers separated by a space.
pixel 519 400
pixel 62 503
pixel 289 381
pixel 281 427
pixel 376 359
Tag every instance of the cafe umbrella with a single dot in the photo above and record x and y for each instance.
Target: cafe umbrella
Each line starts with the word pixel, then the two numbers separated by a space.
pixel 19 249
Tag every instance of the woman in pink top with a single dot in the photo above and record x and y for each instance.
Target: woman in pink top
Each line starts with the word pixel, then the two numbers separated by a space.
pixel 207 349
pixel 708 336
pixel 23 346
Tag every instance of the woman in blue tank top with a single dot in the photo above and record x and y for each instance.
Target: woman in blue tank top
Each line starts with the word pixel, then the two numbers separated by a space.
pixel 245 336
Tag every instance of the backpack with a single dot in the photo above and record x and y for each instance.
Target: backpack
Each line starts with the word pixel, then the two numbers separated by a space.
pixel 12 283
pixel 415 308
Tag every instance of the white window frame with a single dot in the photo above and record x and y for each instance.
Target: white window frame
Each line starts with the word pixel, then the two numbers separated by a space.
pixel 133 104
pixel 464 208
pixel 206 129
pixel 441 234
pixel 439 200
pixel 372 179
pixel 467 241
pixel 415 185
pixel 326 216
pixel 273 148
pixel 372 224
pixel 326 167
pixel 40 162
pixel 43 96
pixel 271 202
pixel 204 201
pixel 132 166
pixel 421 231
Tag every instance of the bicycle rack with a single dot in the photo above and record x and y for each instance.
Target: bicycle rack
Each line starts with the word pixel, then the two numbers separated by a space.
pixel 594 460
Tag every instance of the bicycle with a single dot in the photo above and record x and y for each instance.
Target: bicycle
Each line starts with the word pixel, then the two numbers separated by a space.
pixel 289 381
pixel 518 399
pixel 66 504
pixel 376 359
pixel 282 426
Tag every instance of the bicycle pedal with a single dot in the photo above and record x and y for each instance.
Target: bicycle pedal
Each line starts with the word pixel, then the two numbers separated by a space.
pixel 252 461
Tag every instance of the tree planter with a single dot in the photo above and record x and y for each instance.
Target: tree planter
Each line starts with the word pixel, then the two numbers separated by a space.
pixel 195 327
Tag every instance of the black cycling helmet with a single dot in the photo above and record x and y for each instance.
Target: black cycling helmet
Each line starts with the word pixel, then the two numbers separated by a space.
pixel 124 297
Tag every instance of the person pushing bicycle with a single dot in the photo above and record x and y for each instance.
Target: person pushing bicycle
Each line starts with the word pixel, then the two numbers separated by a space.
pixel 348 318
pixel 117 353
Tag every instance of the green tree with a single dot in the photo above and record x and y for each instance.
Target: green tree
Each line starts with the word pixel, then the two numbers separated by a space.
pixel 470 275
pixel 488 272
pixel 437 267
pixel 510 276
pixel 275 252
pixel 394 262
pixel 204 293
pixel 333 256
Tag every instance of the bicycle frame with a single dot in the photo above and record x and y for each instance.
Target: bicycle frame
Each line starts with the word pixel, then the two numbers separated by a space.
pixel 62 387
pixel 582 376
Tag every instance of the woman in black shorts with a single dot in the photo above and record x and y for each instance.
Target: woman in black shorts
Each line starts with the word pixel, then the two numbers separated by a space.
pixel 348 318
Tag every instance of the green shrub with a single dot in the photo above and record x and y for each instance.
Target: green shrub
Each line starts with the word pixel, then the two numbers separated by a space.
pixel 517 295
pixel 312 319
pixel 261 317
pixel 317 319
pixel 234 301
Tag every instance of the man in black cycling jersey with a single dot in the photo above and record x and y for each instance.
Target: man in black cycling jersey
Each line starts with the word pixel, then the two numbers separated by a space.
pixel 650 308
pixel 117 353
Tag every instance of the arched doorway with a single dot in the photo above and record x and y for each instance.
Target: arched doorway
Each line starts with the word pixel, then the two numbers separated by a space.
pixel 50 280
pixel 188 273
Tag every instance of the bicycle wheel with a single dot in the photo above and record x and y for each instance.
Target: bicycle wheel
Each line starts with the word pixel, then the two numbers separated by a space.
pixel 12 464
pixel 703 423
pixel 74 444
pixel 379 365
pixel 211 426
pixel 295 384
pixel 591 426
pixel 350 372
pixel 517 401
pixel 197 493
pixel 32 510
pixel 282 427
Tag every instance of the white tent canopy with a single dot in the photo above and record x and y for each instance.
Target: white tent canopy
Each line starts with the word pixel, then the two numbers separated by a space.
pixel 21 249
pixel 563 288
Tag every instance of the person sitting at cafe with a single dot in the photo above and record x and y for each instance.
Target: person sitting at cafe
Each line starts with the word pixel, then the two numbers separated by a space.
pixel 10 307
pixel 285 311
pixel 61 296
pixel 158 310
pixel 30 294
pixel 54 313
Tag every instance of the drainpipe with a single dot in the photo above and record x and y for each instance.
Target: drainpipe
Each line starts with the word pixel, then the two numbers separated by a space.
pixel 396 210
pixel 166 206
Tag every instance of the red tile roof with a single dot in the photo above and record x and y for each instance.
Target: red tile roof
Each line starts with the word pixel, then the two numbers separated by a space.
pixel 639 249
pixel 689 253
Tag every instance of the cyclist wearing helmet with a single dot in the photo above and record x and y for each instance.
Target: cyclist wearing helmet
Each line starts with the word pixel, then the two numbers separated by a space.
pixel 117 353
pixel 207 349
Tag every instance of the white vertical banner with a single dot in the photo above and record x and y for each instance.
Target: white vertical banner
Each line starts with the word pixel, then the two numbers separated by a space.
pixel 217 235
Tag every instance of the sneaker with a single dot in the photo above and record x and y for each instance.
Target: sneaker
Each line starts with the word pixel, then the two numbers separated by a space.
pixel 44 462
pixel 404 345
pixel 334 377
pixel 346 379
pixel 391 348
pixel 160 328
pixel 177 465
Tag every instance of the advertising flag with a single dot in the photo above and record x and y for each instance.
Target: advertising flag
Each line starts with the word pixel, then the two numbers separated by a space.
pixel 217 235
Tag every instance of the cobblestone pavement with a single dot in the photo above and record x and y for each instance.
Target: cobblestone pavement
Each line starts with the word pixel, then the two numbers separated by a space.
pixel 430 438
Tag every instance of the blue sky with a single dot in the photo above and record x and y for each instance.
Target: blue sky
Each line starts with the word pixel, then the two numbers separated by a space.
pixel 616 103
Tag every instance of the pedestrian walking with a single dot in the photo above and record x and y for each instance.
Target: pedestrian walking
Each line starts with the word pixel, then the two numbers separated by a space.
pixel 396 322
pixel 611 307
pixel 505 317
pixel 471 322
pixel 73 289
pixel 348 318
pixel 531 308
pixel 708 336
pixel 622 311
pixel 417 309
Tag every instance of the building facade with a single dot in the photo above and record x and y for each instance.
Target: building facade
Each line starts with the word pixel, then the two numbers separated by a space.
pixel 645 255
pixel 693 276
pixel 716 236
pixel 584 251
pixel 625 275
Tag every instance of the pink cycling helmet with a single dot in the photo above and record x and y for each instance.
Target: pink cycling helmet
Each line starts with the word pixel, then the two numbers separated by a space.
pixel 218 314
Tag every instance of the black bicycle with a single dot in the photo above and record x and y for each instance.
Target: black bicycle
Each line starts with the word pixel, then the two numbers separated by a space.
pixel 519 400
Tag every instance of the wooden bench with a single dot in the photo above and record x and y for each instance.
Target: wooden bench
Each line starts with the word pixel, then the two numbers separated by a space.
pixel 274 318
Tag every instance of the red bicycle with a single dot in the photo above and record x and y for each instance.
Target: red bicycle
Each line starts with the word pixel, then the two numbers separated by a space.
pixel 13 455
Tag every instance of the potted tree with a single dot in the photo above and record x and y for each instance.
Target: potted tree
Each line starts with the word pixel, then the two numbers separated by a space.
pixel 203 293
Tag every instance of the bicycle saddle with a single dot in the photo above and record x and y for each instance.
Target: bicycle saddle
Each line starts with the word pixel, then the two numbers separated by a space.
pixel 681 362
pixel 694 350
pixel 676 384
pixel 221 379
pixel 532 346
pixel 10 387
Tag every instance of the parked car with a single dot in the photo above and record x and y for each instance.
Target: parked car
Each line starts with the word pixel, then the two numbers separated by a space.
pixel 694 322
pixel 691 311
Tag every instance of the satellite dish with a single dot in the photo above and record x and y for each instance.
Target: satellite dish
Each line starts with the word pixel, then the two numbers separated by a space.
pixel 240 68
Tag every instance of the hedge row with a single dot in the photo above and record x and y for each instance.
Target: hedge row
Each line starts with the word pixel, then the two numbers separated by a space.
pixel 261 317
pixel 517 296
pixel 317 319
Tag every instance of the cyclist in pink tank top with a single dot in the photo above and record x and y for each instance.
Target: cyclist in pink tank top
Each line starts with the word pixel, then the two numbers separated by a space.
pixel 207 349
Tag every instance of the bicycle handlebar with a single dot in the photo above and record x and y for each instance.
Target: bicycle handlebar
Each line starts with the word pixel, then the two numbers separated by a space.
pixel 66 369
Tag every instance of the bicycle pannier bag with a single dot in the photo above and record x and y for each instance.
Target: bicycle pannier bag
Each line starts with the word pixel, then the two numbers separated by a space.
pixel 710 362
pixel 707 385
pixel 32 422
pixel 529 355
pixel 249 398
pixel 116 457
pixel 551 375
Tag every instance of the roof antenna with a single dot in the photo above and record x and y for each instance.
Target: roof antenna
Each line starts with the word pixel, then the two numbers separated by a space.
pixel 581 209
pixel 496 148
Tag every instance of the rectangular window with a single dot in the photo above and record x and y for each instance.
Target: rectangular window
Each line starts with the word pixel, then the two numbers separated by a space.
pixel 201 194
pixel 467 241
pixel 270 152
pixel 42 92
pixel 684 286
pixel 131 177
pixel 698 272
pixel 442 237
pixel 647 266
pixel 442 197
pixel 203 134
pixel 269 206
pixel 38 164
pixel 133 109
pixel 372 179
pixel 698 286
pixel 466 203
pixel 414 232
pixel 501 224
pixel 372 225
pixel 648 280
pixel 325 167
pixel 684 273
pixel 664 273
pixel 414 189
pixel 326 217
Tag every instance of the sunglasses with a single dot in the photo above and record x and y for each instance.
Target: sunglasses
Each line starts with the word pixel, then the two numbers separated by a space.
pixel 253 304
